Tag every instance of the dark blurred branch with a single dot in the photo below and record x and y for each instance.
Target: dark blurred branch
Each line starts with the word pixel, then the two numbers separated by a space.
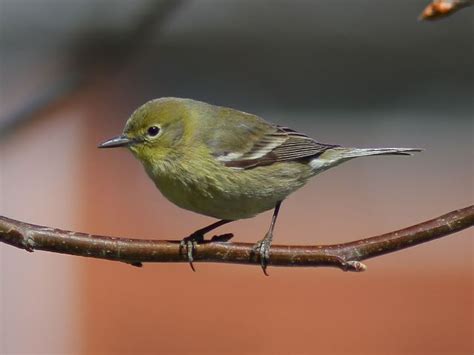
pixel 52 94
pixel 441 8
pixel 100 52
pixel 345 256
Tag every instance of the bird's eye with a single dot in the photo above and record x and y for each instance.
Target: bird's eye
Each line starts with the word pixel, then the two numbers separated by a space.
pixel 153 131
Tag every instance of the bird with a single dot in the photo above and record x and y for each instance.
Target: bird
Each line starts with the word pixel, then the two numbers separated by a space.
pixel 225 163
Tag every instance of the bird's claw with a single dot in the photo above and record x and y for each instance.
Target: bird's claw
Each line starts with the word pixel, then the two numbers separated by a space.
pixel 190 244
pixel 262 248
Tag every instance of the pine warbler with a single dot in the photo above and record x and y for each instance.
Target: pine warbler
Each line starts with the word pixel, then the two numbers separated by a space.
pixel 225 163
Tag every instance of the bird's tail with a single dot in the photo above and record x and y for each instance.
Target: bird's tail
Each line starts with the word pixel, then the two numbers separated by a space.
pixel 337 155
pixel 348 153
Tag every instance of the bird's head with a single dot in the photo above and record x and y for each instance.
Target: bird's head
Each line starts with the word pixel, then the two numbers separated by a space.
pixel 154 131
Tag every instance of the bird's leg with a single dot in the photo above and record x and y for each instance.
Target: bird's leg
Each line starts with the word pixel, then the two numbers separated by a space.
pixel 263 246
pixel 198 237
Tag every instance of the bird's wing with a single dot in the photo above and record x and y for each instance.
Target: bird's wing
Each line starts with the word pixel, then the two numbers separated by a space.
pixel 260 143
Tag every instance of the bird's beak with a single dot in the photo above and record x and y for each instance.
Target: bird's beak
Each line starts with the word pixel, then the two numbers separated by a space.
pixel 119 141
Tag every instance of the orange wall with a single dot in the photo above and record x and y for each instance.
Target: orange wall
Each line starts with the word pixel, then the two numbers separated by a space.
pixel 416 301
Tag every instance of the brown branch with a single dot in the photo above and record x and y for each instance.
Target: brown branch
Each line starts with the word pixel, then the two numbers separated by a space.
pixel 345 256
pixel 442 8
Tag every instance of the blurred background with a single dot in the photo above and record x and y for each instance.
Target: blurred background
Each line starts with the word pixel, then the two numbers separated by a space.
pixel 355 73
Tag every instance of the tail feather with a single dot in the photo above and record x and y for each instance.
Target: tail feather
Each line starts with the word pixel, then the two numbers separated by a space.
pixel 347 153
pixel 337 155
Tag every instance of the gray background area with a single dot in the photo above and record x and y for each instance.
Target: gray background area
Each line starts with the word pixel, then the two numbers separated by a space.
pixel 294 55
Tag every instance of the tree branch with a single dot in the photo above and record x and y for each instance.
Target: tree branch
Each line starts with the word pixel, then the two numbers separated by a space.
pixel 345 256
pixel 442 8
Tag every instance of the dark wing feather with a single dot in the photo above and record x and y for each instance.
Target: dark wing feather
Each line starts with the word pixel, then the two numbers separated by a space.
pixel 280 144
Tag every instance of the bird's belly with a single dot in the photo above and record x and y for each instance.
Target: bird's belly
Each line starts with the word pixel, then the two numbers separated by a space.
pixel 236 208
pixel 230 194
pixel 216 203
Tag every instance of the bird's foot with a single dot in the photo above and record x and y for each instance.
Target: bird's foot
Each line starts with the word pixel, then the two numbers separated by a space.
pixel 262 248
pixel 190 244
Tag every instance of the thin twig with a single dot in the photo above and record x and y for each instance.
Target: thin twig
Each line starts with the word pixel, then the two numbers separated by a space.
pixel 345 256
pixel 442 8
